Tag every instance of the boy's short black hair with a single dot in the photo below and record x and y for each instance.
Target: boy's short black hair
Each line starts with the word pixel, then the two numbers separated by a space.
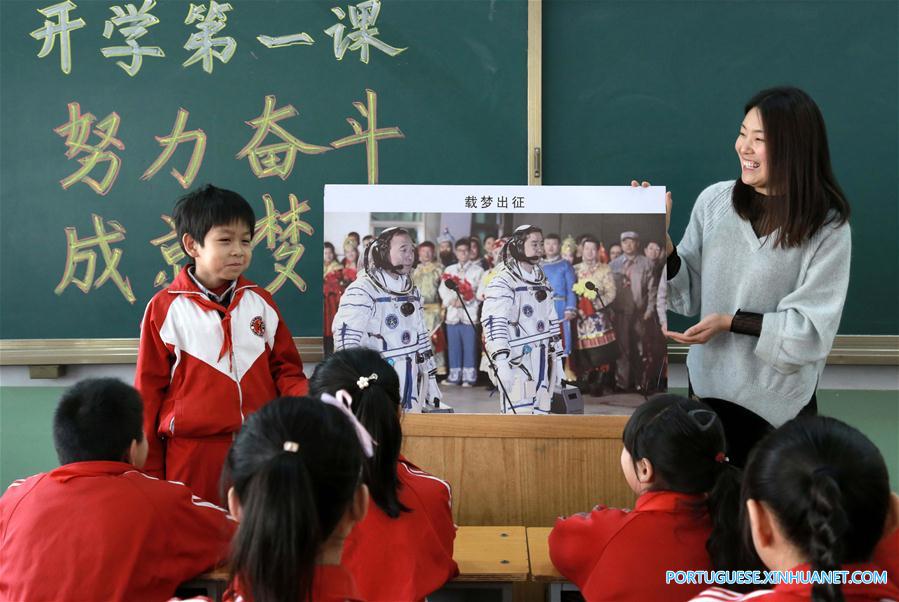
pixel 463 242
pixel 553 236
pixel 97 419
pixel 201 210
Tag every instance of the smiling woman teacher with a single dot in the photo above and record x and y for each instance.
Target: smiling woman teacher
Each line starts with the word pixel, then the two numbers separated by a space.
pixel 765 263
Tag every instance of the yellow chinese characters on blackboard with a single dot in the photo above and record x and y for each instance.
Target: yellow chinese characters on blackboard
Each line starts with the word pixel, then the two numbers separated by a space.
pixel 206 43
pixel 82 251
pixel 272 147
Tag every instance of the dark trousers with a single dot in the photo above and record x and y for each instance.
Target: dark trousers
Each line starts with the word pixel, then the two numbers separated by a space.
pixel 629 332
pixel 744 428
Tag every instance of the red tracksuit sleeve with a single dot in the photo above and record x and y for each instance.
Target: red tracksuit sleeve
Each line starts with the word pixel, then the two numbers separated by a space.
pixel 285 363
pixel 152 378
pixel 886 555
pixel 577 542
pixel 195 535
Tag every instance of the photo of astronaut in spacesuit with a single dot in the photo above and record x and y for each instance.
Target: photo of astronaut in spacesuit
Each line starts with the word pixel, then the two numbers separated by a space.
pixel 382 310
pixel 521 327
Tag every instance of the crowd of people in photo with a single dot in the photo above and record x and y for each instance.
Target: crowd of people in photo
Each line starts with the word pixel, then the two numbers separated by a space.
pixel 611 327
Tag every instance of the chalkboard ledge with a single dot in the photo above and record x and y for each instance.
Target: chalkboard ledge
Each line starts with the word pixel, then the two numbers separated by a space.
pixel 41 352
pixel 848 349
pixel 881 350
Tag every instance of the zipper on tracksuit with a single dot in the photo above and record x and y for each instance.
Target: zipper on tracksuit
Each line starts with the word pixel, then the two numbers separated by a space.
pixel 237 382
pixel 234 371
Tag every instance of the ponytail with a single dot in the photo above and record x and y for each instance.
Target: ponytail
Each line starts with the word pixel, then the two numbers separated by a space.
pixel 818 476
pixel 278 528
pixel 375 389
pixel 378 414
pixel 726 545
pixel 827 526
pixel 295 467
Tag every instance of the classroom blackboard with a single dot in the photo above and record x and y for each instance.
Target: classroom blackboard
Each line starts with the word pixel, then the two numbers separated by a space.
pixel 445 83
pixel 655 90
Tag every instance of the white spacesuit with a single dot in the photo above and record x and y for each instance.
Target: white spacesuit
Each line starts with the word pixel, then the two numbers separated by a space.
pixel 521 327
pixel 382 310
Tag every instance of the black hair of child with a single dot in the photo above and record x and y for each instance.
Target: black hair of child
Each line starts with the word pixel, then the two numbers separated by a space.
pixel 684 440
pixel 96 420
pixel 201 210
pixel 377 406
pixel 292 496
pixel 828 487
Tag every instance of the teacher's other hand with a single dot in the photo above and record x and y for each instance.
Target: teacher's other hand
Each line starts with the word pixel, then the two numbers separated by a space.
pixel 702 332
pixel 669 246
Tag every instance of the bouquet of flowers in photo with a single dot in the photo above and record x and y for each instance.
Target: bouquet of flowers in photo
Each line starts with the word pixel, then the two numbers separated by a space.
pixel 585 297
pixel 462 285
pixel 333 283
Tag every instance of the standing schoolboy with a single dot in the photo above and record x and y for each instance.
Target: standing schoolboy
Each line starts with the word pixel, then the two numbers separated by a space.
pixel 213 348
pixel 97 528
pixel 460 331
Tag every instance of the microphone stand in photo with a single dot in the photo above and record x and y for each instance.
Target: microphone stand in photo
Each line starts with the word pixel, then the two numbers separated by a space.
pixel 451 285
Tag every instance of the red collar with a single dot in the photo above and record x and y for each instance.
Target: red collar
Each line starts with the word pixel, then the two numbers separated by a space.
pixel 89 469
pixel 667 501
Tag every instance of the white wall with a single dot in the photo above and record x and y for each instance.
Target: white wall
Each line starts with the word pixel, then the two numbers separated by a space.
pixel 338 224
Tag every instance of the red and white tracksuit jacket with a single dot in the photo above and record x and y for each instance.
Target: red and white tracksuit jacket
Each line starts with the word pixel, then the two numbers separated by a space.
pixel 612 554
pixel 406 558
pixel 202 369
pixel 105 531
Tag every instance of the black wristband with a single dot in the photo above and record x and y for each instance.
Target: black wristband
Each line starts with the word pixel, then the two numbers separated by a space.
pixel 746 322
pixel 673 263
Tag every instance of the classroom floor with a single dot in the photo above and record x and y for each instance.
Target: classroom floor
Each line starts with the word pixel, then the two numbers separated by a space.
pixel 480 400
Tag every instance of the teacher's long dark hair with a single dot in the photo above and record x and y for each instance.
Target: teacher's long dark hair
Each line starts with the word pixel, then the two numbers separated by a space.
pixel 828 487
pixel 291 501
pixel 804 191
pixel 377 406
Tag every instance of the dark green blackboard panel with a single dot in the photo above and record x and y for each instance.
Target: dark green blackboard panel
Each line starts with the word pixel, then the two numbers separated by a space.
pixel 655 90
pixel 458 94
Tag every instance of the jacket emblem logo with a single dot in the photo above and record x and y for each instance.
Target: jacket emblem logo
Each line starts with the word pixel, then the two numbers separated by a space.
pixel 257 325
pixel 391 321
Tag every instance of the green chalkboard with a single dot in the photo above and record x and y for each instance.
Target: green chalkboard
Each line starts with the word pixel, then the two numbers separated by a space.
pixel 457 94
pixel 655 90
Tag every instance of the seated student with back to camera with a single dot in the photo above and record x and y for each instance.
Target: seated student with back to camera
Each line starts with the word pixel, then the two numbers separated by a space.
pixel 97 528
pixel 673 459
pixel 403 549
